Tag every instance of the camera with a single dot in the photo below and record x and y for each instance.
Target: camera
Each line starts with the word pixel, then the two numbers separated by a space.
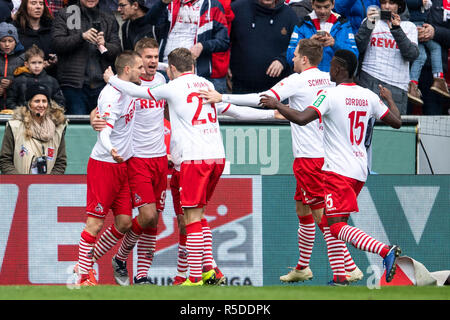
pixel 41 165
pixel 386 15
pixel 97 26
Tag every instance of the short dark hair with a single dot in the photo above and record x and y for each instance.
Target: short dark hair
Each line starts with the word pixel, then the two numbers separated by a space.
pixel 141 4
pixel 312 49
pixel 126 58
pixel 348 60
pixel 401 5
pixel 182 59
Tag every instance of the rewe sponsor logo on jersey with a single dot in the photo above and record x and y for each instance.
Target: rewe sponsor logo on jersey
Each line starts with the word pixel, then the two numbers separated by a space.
pixel 150 103
pixel 383 43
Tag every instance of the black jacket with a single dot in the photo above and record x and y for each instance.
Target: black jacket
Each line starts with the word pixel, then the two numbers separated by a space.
pixel 301 8
pixel 134 30
pixel 74 53
pixel 5 10
pixel 42 37
pixel 16 93
pixel 259 35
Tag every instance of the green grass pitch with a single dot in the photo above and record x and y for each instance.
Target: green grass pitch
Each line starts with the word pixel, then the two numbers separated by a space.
pixel 285 292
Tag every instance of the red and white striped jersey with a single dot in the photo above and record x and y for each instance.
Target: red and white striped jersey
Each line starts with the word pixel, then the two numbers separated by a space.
pixel 345 111
pixel 117 108
pixel 148 131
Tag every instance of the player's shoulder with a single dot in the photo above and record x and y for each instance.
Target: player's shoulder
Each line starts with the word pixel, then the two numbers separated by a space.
pixel 368 93
pixel 109 92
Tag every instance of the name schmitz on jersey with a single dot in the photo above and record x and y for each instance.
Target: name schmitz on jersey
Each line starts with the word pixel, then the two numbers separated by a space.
pixel 302 89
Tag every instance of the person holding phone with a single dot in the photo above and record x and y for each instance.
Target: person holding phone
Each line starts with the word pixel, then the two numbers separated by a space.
pixel 388 45
pixel 86 42
pixel 332 30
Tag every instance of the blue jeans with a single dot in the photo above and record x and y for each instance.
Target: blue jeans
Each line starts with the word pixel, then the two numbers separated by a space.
pixel 434 49
pixel 81 101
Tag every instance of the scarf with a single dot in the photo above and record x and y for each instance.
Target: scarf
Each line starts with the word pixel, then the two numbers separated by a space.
pixel 44 131
pixel 332 19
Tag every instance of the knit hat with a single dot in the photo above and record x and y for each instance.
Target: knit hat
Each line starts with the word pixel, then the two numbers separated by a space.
pixel 35 89
pixel 8 30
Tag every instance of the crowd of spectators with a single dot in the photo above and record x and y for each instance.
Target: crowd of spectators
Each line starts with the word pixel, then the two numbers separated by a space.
pixel 242 46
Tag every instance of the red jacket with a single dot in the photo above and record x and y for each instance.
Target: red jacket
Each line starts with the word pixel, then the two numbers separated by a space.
pixel 221 60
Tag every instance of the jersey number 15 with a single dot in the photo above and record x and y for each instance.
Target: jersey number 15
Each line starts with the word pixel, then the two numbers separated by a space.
pixel 355 123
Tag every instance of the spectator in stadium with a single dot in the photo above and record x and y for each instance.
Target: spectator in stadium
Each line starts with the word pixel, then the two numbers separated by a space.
pixel 260 34
pixel 6 7
pixel 33 21
pixel 11 57
pixel 387 49
pixel 219 75
pixel 199 26
pixel 437 28
pixel 84 50
pixel 419 10
pixel 55 5
pixel 31 73
pixel 301 7
pixel 109 5
pixel 33 142
pixel 354 10
pixel 326 26
pixel 136 24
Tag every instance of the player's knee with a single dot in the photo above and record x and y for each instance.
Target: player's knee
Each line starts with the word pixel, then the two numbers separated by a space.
pixel 94 225
pixel 335 228
pixel 123 224
pixel 149 215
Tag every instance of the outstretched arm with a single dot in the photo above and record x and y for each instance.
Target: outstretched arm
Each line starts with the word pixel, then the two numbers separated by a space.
pixel 247 113
pixel 298 117
pixel 130 88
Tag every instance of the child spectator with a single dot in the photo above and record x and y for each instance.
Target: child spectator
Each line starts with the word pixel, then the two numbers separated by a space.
pixel 32 73
pixel 418 10
pixel 11 57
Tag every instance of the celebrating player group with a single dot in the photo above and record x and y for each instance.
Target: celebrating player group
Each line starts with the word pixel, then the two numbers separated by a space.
pixel 130 161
